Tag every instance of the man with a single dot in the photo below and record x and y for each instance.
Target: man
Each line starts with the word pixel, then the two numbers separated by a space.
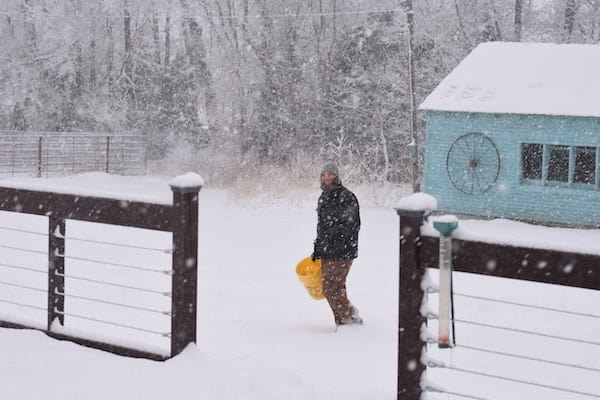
pixel 337 242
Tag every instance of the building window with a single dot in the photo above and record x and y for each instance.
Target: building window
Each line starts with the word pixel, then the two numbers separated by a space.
pixel 558 164
pixel 551 164
pixel 531 160
pixel 585 165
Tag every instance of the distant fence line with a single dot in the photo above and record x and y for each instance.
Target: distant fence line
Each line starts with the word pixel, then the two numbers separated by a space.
pixel 43 154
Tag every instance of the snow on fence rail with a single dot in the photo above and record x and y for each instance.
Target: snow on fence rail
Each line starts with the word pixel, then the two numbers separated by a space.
pixel 419 251
pixel 44 154
pixel 180 219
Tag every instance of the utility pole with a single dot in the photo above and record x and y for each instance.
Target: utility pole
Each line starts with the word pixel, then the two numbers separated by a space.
pixel 413 146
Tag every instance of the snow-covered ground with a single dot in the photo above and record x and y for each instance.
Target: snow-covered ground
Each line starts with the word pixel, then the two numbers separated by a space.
pixel 260 336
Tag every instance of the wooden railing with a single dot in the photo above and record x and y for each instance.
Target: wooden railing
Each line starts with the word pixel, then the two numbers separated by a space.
pixel 180 218
pixel 418 252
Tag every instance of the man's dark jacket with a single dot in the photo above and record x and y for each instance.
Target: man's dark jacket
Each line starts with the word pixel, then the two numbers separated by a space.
pixel 338 224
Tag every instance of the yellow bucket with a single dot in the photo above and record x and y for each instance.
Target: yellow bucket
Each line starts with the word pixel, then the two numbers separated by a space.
pixel 309 273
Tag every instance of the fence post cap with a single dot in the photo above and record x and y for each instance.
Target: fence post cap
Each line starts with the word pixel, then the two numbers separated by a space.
pixel 187 183
pixel 416 203
pixel 445 224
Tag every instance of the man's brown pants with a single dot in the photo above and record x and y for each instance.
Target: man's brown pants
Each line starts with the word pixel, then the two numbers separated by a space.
pixel 334 287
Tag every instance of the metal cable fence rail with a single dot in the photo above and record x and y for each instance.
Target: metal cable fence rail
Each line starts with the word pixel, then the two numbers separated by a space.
pixel 15 285
pixel 432 340
pixel 99 282
pixel 44 154
pixel 113 284
pixel 70 289
pixel 527 332
pixel 431 290
pixel 437 364
pixel 112 303
pixel 116 265
pixel 12 266
pixel 514 303
pixel 96 261
pixel 520 356
pixel 102 321
pixel 16 303
pixel 505 356
pixel 435 389
pixel 103 242
pixel 19 289
pixel 89 260
pixel 35 289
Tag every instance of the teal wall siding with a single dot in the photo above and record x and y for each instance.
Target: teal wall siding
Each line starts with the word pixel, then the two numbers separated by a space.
pixel 509 197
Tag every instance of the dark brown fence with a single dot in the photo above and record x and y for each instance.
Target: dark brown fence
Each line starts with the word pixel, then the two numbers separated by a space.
pixel 180 218
pixel 418 252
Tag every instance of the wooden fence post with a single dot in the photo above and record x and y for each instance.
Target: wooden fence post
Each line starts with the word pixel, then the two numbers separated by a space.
pixel 185 264
pixel 410 320
pixel 107 154
pixel 56 265
pixel 39 171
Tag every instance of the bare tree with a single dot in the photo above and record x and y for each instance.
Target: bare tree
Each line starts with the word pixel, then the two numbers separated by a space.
pixel 167 58
pixel 196 52
pixel 93 56
pixel 110 49
pixel 29 23
pixel 155 31
pixel 127 58
pixel 518 26
pixel 77 84
pixel 570 12
pixel 461 24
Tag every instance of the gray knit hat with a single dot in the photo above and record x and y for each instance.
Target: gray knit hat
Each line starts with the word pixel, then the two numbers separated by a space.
pixel 331 167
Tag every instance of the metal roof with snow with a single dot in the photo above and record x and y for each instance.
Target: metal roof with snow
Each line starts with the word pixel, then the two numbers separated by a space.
pixel 523 78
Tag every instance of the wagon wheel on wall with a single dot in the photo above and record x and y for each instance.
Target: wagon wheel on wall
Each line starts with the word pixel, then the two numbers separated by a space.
pixel 473 163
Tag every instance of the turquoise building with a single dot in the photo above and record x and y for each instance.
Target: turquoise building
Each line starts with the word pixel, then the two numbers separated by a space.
pixel 514 132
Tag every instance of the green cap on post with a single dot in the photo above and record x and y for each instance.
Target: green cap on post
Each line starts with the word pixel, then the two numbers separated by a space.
pixel 445 224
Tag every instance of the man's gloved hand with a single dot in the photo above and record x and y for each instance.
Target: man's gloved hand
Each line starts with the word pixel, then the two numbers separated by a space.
pixel 315 254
